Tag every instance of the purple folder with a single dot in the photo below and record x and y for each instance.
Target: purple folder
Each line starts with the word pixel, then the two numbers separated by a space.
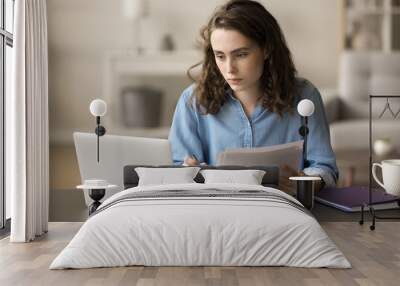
pixel 351 199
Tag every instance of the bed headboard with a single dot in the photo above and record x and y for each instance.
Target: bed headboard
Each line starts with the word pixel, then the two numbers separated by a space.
pixel 270 179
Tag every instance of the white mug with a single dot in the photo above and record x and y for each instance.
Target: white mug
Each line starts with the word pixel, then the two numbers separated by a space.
pixel 390 176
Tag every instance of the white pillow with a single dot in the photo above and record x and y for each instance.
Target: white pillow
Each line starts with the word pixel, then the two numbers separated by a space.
pixel 249 177
pixel 163 176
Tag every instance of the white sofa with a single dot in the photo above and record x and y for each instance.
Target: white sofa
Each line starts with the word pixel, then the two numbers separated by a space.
pixel 362 74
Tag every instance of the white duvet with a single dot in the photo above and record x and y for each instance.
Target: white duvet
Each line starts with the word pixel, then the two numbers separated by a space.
pixel 200 231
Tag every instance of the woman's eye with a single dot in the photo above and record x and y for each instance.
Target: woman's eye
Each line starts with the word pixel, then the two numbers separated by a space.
pixel 242 55
pixel 220 57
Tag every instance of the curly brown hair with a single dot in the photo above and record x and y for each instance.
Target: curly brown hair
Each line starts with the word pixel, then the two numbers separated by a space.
pixel 251 19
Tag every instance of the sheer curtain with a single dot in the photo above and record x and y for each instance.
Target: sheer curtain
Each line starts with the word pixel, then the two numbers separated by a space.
pixel 27 138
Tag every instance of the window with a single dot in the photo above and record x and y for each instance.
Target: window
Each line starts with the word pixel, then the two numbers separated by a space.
pixel 6 44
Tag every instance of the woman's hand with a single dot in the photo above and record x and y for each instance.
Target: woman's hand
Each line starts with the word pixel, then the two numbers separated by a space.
pixel 191 161
pixel 290 186
pixel 290 172
pixel 285 184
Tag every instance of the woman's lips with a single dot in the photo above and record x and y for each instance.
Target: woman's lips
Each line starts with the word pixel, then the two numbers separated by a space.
pixel 234 80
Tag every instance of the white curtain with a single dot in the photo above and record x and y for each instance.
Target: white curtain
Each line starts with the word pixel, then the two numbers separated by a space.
pixel 27 138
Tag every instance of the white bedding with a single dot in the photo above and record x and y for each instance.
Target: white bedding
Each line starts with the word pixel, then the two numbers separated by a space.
pixel 200 231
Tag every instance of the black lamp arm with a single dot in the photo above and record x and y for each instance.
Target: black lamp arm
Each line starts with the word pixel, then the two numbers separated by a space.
pixel 303 130
pixel 100 131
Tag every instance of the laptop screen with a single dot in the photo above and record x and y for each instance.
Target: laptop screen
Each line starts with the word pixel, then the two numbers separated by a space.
pixel 115 153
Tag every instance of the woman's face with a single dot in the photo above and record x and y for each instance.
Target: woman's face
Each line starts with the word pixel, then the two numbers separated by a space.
pixel 239 59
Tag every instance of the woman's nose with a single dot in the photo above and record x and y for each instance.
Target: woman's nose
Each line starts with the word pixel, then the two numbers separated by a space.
pixel 231 66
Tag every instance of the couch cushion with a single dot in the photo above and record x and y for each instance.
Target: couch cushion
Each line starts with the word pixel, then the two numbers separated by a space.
pixel 351 134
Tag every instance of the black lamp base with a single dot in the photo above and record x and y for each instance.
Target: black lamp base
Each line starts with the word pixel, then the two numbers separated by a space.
pixel 96 195
pixel 305 193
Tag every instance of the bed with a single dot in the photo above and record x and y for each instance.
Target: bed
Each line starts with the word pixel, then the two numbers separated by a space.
pixel 201 224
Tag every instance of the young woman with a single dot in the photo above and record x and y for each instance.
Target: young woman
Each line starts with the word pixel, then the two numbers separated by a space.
pixel 247 93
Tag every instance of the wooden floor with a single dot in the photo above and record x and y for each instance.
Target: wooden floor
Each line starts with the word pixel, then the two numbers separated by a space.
pixel 374 255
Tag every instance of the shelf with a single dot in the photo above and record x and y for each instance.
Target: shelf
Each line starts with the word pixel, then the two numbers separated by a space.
pixel 163 70
pixel 371 27
pixel 369 11
pixel 153 64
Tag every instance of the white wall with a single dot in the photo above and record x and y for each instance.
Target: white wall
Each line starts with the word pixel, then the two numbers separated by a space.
pixel 312 29
pixel 80 32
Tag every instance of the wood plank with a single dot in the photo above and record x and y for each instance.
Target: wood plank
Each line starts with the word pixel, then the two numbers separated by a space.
pixel 375 257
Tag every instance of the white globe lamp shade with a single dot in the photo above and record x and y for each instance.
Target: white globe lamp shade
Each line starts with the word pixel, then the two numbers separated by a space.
pixel 98 107
pixel 305 107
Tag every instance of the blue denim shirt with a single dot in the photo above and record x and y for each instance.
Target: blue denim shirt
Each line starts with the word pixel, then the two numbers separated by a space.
pixel 205 136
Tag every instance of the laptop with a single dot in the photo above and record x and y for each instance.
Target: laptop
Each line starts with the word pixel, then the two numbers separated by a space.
pixel 115 153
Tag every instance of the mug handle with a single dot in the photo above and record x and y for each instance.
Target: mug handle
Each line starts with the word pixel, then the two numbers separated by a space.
pixel 374 173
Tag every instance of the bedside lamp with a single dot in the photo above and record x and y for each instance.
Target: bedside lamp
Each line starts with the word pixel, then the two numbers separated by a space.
pixel 305 184
pixel 98 108
pixel 305 108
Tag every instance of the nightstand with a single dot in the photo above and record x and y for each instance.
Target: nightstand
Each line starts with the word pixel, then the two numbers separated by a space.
pixel 305 189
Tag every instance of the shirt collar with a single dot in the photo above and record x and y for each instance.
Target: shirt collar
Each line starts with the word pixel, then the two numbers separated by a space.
pixel 257 110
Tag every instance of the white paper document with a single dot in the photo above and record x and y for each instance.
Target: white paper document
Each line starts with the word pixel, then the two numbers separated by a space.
pixel 281 155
